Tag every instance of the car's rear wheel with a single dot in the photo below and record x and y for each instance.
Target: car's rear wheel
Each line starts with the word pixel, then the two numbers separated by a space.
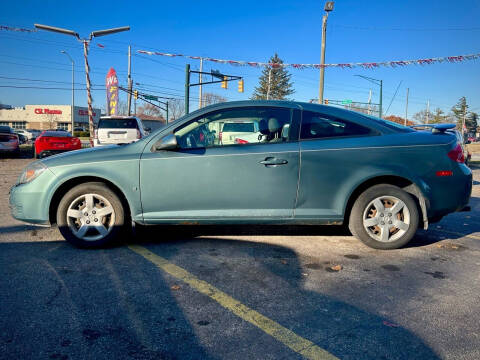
pixel 384 217
pixel 90 215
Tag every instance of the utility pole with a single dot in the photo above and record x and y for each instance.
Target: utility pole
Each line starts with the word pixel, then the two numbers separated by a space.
pixel 406 110
pixel 328 8
pixel 166 115
pixel 381 100
pixel 86 43
pixel 428 111
pixel 129 80
pixel 370 102
pixel 73 89
pixel 200 100
pixel 269 80
pixel 187 88
pixel 377 82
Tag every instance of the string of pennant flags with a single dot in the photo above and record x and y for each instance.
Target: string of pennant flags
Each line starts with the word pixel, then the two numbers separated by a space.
pixel 365 65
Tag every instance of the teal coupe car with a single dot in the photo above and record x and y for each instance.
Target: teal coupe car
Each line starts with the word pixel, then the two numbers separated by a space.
pixel 301 164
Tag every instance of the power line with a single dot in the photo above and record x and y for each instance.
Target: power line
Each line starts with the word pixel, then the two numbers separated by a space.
pixel 372 28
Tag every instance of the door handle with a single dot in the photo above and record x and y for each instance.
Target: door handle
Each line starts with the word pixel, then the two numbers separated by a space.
pixel 271 161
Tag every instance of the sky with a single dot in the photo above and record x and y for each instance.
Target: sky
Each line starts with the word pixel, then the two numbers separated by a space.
pixel 358 31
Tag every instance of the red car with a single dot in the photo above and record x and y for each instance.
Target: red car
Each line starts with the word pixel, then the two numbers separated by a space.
pixel 54 142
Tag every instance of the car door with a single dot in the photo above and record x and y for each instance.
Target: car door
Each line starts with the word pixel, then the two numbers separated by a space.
pixel 204 180
pixel 334 154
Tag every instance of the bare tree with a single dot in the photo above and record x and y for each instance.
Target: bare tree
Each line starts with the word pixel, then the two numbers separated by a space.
pixel 122 108
pixel 149 109
pixel 52 121
pixel 176 108
pixel 211 98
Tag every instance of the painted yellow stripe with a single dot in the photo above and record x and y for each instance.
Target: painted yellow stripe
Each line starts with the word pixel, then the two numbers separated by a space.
pixel 298 344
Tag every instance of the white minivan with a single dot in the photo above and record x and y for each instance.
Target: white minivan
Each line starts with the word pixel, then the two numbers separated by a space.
pixel 118 130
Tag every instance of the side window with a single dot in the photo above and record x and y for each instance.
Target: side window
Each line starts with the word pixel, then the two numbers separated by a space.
pixel 318 126
pixel 237 126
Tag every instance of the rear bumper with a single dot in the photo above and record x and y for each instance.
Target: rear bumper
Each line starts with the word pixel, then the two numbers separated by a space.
pixel 9 146
pixel 451 194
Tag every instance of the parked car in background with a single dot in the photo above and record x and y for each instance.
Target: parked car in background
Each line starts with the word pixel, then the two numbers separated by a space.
pixel 26 134
pixel 9 141
pixel 35 133
pixel 22 139
pixel 54 142
pixel 332 166
pixel 118 130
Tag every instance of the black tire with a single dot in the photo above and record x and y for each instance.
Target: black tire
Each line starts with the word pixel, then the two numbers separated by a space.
pixel 116 226
pixel 359 210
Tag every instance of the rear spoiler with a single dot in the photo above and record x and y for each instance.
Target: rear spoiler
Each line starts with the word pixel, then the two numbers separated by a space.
pixel 436 128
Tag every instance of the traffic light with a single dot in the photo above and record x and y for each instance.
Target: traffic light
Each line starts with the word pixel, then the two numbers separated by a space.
pixel 325 101
pixel 240 85
pixel 224 83
pixel 135 94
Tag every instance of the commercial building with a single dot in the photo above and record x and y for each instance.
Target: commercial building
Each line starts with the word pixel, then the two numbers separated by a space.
pixel 43 117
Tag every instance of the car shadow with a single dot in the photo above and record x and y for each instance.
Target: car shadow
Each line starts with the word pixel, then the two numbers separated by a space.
pixel 67 302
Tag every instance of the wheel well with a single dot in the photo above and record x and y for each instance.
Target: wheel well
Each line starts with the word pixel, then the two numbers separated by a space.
pixel 402 183
pixel 67 185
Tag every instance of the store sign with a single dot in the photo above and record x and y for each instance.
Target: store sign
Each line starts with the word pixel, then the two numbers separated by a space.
pixel 85 113
pixel 48 111
pixel 111 83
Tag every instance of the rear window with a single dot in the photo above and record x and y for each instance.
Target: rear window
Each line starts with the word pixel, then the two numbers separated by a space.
pixel 239 127
pixel 117 124
pixel 57 133
pixel 5 129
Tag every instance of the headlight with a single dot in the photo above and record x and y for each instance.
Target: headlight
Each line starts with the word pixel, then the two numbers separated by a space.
pixel 31 172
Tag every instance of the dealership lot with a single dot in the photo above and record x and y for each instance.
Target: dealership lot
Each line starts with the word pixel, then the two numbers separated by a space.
pixel 239 292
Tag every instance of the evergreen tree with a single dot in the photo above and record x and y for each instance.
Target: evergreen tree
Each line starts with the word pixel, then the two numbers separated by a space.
pixel 280 85
pixel 460 110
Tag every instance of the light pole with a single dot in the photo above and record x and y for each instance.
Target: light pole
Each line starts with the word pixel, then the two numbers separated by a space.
pixel 328 8
pixel 86 43
pixel 379 83
pixel 73 88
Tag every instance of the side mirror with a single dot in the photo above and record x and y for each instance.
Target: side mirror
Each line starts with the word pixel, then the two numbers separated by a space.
pixel 147 129
pixel 168 142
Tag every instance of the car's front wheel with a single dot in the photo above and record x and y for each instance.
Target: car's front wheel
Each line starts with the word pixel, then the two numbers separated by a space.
pixel 384 217
pixel 90 215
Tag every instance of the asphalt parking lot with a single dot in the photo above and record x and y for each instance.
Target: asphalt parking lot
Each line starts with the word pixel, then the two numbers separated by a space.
pixel 239 292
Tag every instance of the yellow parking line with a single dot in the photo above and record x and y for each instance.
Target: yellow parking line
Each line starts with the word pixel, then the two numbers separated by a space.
pixel 287 337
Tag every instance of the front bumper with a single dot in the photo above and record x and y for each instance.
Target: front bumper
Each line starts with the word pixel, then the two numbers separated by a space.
pixel 30 202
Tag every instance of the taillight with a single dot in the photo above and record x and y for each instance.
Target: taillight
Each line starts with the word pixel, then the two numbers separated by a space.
pixel 220 136
pixel 95 134
pixel 240 141
pixel 456 154
pixel 139 136
pixel 75 141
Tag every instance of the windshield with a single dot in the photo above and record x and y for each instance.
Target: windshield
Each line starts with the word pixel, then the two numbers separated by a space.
pixel 57 134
